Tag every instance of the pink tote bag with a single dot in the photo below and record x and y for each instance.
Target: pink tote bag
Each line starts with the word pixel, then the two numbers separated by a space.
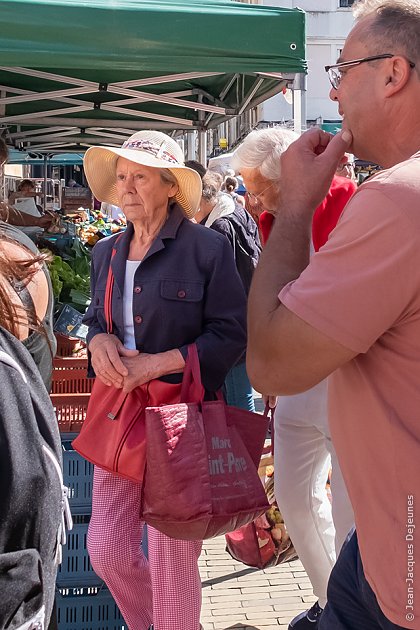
pixel 202 459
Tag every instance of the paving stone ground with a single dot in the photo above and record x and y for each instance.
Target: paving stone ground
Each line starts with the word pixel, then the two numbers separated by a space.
pixel 236 597
pixel 240 598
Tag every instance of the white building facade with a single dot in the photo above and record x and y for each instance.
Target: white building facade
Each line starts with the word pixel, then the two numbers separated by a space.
pixel 328 23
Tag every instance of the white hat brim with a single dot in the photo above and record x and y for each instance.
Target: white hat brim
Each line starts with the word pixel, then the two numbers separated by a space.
pixel 100 169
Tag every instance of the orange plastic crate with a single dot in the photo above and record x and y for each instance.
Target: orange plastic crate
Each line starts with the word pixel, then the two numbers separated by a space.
pixel 70 410
pixel 70 376
pixel 68 346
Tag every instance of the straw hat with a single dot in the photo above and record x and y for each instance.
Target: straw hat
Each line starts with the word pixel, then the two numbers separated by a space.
pixel 149 148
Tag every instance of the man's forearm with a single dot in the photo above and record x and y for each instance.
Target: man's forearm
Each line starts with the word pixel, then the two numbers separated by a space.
pixel 283 259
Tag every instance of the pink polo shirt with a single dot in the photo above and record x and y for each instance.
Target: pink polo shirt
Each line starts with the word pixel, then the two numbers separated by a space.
pixel 362 289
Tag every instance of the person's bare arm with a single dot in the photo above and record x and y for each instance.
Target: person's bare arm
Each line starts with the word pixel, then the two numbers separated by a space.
pixel 286 355
pixel 11 215
pixel 37 286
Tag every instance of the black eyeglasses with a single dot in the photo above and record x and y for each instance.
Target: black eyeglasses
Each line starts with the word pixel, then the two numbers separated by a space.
pixel 335 75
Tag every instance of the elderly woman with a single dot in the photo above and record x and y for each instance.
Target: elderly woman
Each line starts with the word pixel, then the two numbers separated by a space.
pixel 175 284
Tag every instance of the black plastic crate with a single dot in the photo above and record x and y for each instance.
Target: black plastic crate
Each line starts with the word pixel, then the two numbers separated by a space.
pixel 78 477
pixel 76 569
pixel 90 608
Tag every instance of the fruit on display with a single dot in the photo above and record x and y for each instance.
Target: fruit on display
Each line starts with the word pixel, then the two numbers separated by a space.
pixel 97 225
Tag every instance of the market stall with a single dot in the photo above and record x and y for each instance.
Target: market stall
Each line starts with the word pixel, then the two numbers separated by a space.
pixel 93 71
pixel 77 73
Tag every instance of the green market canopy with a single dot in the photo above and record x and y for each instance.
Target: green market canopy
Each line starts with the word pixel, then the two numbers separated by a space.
pixel 81 72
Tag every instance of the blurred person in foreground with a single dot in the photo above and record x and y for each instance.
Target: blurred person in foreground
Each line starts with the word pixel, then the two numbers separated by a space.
pixel 175 284
pixel 41 342
pixel 30 452
pixel 303 449
pixel 352 311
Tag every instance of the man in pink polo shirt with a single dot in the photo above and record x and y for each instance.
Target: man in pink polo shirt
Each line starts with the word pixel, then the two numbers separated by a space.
pixel 353 312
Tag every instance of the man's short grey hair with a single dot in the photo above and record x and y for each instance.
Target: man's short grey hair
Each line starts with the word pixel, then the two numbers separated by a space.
pixel 262 149
pixel 395 27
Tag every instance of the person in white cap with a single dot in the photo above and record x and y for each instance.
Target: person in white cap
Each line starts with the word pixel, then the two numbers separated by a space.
pixel 175 283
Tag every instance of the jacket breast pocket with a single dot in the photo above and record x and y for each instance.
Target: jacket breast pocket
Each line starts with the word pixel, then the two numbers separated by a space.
pixel 182 291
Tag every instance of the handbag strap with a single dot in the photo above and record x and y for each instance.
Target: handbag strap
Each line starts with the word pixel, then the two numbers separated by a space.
pixel 269 413
pixel 108 291
pixel 192 389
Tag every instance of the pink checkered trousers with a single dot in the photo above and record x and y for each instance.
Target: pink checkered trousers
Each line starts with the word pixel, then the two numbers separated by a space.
pixel 166 589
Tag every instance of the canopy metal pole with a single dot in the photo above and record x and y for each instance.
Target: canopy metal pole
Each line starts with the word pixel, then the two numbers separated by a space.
pixel 299 102
pixel 202 138
pixel 190 137
pixel 202 147
pixel 44 205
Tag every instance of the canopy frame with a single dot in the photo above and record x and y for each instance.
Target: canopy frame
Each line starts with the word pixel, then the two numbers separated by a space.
pixel 82 72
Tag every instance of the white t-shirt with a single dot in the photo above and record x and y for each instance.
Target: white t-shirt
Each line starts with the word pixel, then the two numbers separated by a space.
pixel 130 269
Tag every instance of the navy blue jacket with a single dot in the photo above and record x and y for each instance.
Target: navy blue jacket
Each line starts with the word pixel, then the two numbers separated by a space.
pixel 186 290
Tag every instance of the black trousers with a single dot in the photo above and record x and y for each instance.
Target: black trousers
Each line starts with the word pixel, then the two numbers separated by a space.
pixel 352 605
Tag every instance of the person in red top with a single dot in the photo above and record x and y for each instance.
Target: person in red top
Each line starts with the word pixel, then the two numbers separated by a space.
pixel 326 215
pixel 303 450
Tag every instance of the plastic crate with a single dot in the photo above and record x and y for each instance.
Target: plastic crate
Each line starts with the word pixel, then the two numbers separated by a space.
pixel 70 410
pixel 90 608
pixel 78 477
pixel 68 346
pixel 69 376
pixel 76 569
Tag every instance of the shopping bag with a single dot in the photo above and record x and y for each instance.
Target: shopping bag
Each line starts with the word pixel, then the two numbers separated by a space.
pixel 201 477
pixel 263 543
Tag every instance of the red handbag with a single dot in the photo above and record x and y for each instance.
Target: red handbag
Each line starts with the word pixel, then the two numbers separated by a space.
pixel 113 434
pixel 201 479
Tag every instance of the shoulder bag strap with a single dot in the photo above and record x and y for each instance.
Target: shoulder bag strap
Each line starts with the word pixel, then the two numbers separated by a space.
pixel 108 291
pixel 234 236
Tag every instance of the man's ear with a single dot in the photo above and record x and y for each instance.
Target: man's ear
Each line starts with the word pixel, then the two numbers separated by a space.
pixel 398 75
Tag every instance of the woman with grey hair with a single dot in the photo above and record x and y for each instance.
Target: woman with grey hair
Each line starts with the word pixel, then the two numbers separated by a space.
pixel 260 155
pixel 303 448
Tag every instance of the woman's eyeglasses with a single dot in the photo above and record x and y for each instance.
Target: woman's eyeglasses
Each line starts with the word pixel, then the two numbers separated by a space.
pixel 254 199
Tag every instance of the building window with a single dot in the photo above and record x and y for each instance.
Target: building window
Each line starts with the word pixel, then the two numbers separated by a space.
pixel 344 4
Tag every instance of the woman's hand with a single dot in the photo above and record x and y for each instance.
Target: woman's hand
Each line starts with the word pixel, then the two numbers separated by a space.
pixel 107 353
pixel 145 367
pixel 140 370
